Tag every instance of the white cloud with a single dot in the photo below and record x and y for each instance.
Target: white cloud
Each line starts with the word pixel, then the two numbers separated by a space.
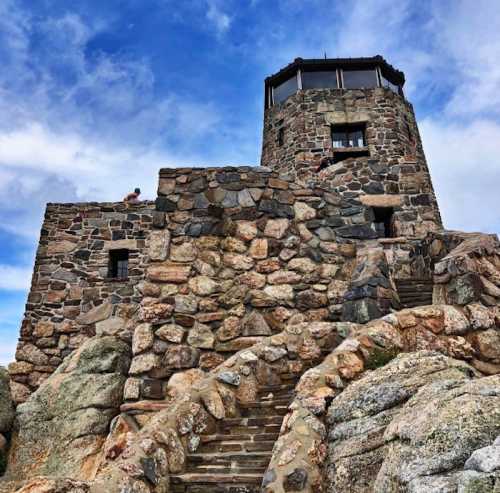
pixel 465 166
pixel 79 128
pixel 218 17
pixel 14 278
pixel 468 40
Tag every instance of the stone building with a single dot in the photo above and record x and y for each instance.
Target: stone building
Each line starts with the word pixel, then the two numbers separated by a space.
pixel 229 254
pixel 338 226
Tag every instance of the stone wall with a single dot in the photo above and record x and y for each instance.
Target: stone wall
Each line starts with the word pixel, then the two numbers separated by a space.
pixel 395 173
pixel 71 292
pixel 224 257
pixel 242 252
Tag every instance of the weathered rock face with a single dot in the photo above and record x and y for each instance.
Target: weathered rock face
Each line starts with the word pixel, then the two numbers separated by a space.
pixel 6 415
pixel 411 426
pixel 61 428
pixel 6 406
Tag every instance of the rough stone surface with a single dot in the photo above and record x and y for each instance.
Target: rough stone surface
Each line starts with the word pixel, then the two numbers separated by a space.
pixel 397 426
pixel 6 405
pixel 256 276
pixel 62 426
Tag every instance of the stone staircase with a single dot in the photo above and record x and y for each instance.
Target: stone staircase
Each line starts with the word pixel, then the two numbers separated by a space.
pixel 235 457
pixel 414 292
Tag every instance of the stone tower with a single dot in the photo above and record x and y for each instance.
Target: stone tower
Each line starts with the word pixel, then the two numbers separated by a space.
pixel 345 125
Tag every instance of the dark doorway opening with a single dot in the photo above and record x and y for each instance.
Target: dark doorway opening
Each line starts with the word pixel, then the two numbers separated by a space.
pixel 383 221
pixel 118 264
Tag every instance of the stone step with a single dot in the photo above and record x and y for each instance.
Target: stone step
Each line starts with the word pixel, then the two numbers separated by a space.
pixel 229 458
pixel 247 430
pixel 229 470
pixel 416 289
pixel 414 292
pixel 221 481
pixel 263 411
pixel 270 403
pixel 415 304
pixel 251 421
pixel 416 296
pixel 234 458
pixel 235 446
pixel 214 488
pixel 281 390
pixel 227 437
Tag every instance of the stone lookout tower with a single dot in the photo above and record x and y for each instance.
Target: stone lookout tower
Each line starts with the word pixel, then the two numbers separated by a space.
pixel 344 124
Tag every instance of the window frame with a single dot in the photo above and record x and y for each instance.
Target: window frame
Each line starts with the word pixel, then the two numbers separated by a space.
pixel 336 72
pixel 349 129
pixel 298 82
pixel 374 70
pixel 116 269
pixel 339 71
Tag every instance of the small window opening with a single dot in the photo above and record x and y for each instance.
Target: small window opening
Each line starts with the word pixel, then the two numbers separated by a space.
pixel 349 135
pixel 383 221
pixel 118 264
pixel 281 136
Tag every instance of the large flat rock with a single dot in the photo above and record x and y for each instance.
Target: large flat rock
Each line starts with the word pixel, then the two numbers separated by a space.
pixel 60 429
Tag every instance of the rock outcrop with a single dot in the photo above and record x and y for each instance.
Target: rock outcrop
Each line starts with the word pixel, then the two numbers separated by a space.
pixel 412 426
pixel 61 428
pixel 6 415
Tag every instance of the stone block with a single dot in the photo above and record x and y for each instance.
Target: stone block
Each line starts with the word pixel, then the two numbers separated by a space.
pixel 159 243
pixel 181 356
pixel 169 272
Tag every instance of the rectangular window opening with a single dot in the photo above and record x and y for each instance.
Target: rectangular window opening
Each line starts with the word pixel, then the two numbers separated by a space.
pixel 383 221
pixel 118 264
pixel 281 136
pixel 285 89
pixel 359 79
pixel 348 135
pixel 320 80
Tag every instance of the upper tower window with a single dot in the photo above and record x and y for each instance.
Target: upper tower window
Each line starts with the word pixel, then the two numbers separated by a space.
pixel 281 92
pixel 389 84
pixel 348 135
pixel 358 79
pixel 319 80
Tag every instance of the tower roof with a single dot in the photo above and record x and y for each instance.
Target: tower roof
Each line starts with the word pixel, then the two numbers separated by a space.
pixel 313 64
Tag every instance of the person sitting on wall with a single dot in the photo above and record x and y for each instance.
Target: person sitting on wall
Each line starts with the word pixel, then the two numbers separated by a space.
pixel 133 197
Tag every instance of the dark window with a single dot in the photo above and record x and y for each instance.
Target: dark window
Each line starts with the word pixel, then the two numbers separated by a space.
pixel 118 264
pixel 357 79
pixel 281 136
pixel 383 221
pixel 319 80
pixel 390 85
pixel 281 92
pixel 348 136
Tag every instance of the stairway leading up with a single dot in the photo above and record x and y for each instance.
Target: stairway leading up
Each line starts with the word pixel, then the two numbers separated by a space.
pixel 414 292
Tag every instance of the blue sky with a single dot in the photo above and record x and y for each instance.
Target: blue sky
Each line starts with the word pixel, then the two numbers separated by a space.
pixel 96 96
